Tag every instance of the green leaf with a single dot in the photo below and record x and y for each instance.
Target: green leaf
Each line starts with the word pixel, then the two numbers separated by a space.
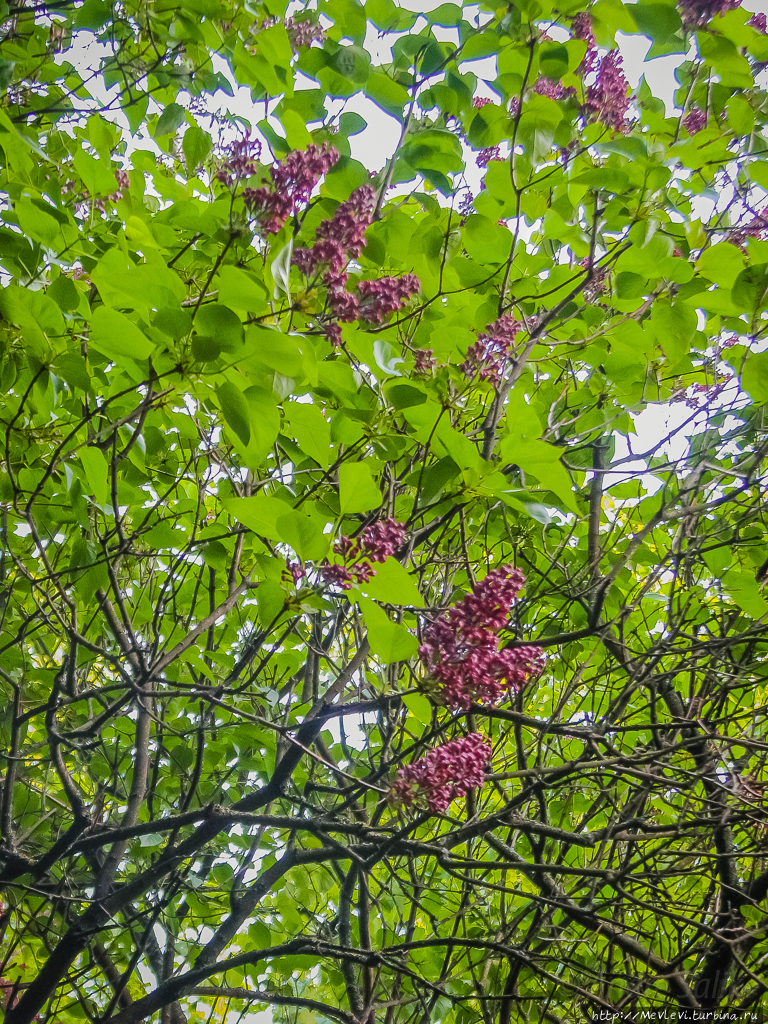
pixel 281 352
pixel 150 840
pixel 259 513
pixel 270 599
pixel 745 592
pixel 358 491
pixel 35 312
pixel 170 120
pixel 118 338
pixel 553 60
pixel 387 94
pixel 675 326
pixel 485 241
pixel 741 116
pixel 38 222
pixel 662 24
pixel 542 460
pixel 197 145
pixel 217 321
pixel 384 14
pixel 352 62
pixel 750 289
pixel 239 289
pixel 304 535
pixel 64 293
pixel 234 405
pixel 721 263
pixel 311 430
pixel 351 123
pixel 389 640
pixel 98 179
pixel 754 377
pixel 392 584
pixel 281 271
pixel 264 423
pixel 344 178
pixel 420 707
pixel 173 321
pixel 447 15
pixel 732 68
pixel 96 473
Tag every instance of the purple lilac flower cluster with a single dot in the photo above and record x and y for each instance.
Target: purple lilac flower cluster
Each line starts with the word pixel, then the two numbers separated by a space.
pixel 83 204
pixel 695 121
pixel 375 544
pixel 608 99
pixel 303 33
pixel 296 571
pixel 550 88
pixel 485 156
pixel 698 12
pixel 340 239
pixel 443 774
pixel 466 204
pixel 425 362
pixel 241 160
pixel 460 649
pixel 485 358
pixel 385 295
pixel 581 28
pixel 293 179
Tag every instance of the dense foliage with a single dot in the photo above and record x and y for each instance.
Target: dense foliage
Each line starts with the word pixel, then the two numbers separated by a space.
pixel 381 627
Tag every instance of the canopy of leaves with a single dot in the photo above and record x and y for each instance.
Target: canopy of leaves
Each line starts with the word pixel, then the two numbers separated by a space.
pixel 268 413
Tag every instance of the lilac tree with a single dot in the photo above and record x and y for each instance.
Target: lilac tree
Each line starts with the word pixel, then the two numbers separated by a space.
pixel 382 544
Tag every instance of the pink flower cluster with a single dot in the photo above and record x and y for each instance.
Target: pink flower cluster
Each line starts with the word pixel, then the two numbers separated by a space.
pixel 550 88
pixel 241 160
pixel 486 357
pixel 376 543
pixel 385 295
pixel 443 774
pixel 380 541
pixel 695 121
pixel 303 33
pixel 297 572
pixel 460 649
pixel 581 28
pixel 485 156
pixel 607 99
pixel 759 21
pixel 466 204
pixel 339 239
pixel 425 362
pixel 481 101
pixel 698 12
pixel 293 179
